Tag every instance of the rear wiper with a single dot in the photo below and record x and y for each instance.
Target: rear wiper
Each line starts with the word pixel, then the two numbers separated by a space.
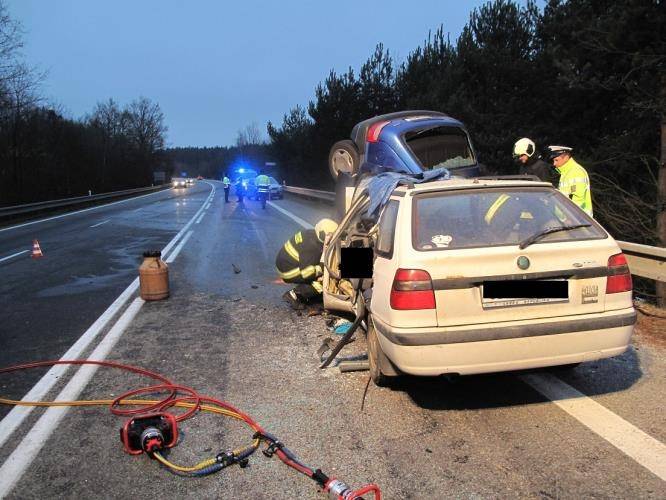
pixel 550 230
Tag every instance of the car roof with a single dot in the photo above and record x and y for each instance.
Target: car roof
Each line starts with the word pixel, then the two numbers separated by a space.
pixel 457 183
pixel 420 117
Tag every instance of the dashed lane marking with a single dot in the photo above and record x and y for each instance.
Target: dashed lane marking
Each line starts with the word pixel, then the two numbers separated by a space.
pixel 79 211
pixel 626 437
pixel 13 255
pixel 100 223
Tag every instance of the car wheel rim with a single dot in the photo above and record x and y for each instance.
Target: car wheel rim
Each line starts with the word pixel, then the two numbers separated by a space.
pixel 342 161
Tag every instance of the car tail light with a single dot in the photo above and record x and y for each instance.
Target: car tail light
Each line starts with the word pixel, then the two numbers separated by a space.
pixel 412 289
pixel 374 130
pixel 619 277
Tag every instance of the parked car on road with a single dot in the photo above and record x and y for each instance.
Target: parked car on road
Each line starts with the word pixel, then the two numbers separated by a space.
pixel 481 275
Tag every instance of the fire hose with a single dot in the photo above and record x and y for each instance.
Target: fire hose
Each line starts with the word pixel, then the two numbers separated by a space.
pixel 152 428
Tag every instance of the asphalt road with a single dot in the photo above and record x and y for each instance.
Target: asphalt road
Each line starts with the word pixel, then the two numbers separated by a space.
pixel 90 257
pixel 228 334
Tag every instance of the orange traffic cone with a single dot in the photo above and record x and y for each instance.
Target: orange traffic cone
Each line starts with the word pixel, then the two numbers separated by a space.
pixel 36 250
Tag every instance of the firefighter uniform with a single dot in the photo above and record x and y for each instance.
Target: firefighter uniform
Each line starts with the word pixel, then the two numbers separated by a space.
pixel 299 261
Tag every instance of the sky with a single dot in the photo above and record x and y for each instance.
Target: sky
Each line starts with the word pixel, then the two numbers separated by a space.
pixel 215 67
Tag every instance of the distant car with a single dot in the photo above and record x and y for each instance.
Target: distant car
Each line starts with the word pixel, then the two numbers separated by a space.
pixel 199 177
pixel 482 275
pixel 275 189
pixel 179 182
pixel 189 181
pixel 406 141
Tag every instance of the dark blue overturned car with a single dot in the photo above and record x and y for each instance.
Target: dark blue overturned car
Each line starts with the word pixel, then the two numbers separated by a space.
pixel 406 141
pixel 410 142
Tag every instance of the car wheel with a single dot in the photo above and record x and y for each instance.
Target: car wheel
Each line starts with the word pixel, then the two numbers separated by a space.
pixel 377 359
pixel 343 158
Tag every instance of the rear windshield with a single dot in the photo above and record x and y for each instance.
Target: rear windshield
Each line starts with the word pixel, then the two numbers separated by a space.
pixel 489 217
pixel 440 147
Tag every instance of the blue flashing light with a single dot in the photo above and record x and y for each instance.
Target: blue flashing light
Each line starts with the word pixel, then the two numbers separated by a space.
pixel 241 170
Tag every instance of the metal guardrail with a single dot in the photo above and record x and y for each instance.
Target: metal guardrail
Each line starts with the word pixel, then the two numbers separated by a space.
pixel 644 260
pixel 312 193
pixel 41 205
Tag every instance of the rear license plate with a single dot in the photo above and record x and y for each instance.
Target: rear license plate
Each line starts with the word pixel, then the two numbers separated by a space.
pixel 524 292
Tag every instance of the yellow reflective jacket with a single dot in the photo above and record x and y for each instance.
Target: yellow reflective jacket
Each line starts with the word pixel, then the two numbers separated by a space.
pixel 575 184
pixel 262 180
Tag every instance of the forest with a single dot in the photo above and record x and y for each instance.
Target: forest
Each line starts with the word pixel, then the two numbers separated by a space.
pixel 46 155
pixel 588 74
pixel 583 73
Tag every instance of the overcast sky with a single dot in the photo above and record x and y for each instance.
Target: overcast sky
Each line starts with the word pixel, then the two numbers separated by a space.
pixel 213 66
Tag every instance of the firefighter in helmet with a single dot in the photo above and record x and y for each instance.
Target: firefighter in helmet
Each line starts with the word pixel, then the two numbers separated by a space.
pixel 299 261
pixel 524 153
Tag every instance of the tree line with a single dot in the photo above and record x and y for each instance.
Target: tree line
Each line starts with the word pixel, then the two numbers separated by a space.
pixel 584 73
pixel 46 155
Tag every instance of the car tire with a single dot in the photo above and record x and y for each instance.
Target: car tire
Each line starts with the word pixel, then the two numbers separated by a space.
pixel 343 158
pixel 379 363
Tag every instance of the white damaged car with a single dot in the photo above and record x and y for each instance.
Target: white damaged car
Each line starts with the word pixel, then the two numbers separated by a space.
pixel 482 275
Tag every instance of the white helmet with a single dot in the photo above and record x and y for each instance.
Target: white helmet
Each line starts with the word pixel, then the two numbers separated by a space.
pixel 324 227
pixel 524 146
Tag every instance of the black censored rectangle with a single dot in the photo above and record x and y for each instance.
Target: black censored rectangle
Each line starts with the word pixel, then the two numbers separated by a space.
pixel 356 262
pixel 526 289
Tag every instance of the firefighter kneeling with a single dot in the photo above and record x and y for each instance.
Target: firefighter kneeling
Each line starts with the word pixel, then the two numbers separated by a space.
pixel 299 261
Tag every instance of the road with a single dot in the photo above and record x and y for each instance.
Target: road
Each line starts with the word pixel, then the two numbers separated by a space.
pixel 229 335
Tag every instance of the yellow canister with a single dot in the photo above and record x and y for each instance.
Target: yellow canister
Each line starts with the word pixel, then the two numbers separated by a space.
pixel 153 276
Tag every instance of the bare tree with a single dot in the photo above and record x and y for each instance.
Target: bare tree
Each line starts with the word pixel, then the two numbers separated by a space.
pixel 249 136
pixel 146 126
pixel 10 43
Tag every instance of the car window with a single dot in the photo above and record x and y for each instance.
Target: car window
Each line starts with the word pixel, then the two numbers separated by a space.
pixel 491 217
pixel 273 181
pixel 387 229
pixel 441 147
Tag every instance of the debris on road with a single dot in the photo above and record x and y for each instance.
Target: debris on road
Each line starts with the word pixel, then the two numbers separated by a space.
pixel 236 268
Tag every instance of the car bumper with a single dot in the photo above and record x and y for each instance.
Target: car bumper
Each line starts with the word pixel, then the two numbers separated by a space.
pixel 507 346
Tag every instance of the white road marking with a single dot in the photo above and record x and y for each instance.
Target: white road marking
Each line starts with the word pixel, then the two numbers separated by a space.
pixel 16 464
pixel 100 223
pixel 177 250
pixel 19 413
pixel 626 437
pixel 13 255
pixel 199 219
pixel 80 211
pixel 303 223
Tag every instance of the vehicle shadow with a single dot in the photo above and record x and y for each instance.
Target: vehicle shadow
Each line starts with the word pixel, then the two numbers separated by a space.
pixel 507 389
